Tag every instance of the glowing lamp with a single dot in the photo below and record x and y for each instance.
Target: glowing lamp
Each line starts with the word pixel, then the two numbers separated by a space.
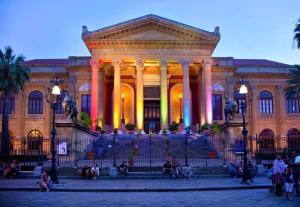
pixel 55 90
pixel 123 95
pixel 179 96
pixel 243 89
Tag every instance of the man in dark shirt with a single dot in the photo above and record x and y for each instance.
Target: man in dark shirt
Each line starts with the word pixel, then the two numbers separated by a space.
pixel 167 168
pixel 295 162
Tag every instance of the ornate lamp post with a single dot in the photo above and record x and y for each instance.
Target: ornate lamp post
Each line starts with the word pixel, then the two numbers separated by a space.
pixel 244 91
pixel 180 106
pixel 123 117
pixel 54 91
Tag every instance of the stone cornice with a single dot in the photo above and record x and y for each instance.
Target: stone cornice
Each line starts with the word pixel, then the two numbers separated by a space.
pixel 149 44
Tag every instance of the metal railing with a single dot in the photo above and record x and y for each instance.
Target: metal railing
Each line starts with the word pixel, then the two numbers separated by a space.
pixel 144 150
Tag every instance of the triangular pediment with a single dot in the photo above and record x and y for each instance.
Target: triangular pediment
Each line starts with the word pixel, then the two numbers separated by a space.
pixel 150 27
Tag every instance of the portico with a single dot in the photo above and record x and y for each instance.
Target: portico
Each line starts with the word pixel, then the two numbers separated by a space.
pixel 151 52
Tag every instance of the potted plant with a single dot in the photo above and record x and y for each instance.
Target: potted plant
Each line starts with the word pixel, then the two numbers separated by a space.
pixel 173 127
pixel 86 119
pixel 90 155
pixel 130 128
pixel 212 155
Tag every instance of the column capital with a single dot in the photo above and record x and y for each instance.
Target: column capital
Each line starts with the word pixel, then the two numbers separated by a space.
pixel 163 64
pixel 207 63
pixel 140 63
pixel 185 63
pixel 117 62
pixel 94 62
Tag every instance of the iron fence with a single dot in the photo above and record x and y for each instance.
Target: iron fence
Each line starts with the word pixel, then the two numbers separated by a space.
pixel 145 150
pixel 138 150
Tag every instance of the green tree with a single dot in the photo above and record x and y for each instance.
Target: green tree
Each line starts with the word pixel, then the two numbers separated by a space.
pixel 13 76
pixel 297 34
pixel 293 82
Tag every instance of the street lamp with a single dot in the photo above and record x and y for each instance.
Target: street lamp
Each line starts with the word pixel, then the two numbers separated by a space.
pixel 54 91
pixel 123 117
pixel 180 106
pixel 244 91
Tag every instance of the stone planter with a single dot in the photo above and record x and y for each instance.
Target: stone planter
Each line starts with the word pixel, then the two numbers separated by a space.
pixel 212 155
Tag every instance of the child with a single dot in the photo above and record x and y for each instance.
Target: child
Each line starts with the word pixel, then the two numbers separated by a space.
pixel 289 182
pixel 45 182
pixel 95 171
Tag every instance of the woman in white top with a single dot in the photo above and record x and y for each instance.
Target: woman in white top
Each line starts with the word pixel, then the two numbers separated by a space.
pixel 279 169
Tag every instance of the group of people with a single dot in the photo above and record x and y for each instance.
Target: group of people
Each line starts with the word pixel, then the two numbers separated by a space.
pixel 238 170
pixel 9 170
pixel 90 172
pixel 286 174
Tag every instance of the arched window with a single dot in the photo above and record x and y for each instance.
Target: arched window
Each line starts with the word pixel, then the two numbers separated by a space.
pixel 292 104
pixel 265 102
pixel 239 99
pixel 11 104
pixel 293 139
pixel 34 141
pixel 35 103
pixel 266 140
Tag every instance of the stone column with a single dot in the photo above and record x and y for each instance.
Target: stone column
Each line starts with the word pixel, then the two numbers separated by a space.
pixel 201 98
pixel 94 62
pixel 101 92
pixel 117 91
pixel 206 74
pixel 186 93
pixel 280 111
pixel 139 94
pixel 163 95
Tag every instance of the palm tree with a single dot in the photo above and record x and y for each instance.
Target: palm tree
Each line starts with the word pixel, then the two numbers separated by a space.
pixel 293 82
pixel 13 76
pixel 297 34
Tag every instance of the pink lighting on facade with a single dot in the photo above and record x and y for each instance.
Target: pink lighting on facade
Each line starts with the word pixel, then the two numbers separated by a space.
pixel 94 92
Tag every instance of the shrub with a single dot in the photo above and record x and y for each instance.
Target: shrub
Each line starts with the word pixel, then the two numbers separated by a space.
pixel 86 119
pixel 130 127
pixel 174 126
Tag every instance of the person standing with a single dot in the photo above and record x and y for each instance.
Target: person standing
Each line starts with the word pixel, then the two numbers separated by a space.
pixel 289 182
pixel 295 163
pixel 279 169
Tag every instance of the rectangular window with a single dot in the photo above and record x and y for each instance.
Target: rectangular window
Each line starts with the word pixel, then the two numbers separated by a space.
pixel 86 103
pixel 217 107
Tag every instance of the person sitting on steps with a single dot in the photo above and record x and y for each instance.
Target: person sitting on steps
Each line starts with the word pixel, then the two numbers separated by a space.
pixel 123 169
pixel 167 168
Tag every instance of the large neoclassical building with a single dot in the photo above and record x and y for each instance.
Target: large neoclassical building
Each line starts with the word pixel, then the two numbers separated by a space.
pixel 143 70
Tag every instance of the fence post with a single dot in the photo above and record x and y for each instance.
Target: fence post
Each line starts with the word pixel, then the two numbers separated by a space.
pixel 185 146
pixel 76 150
pixel 150 149
pixel 114 144
pixel 94 149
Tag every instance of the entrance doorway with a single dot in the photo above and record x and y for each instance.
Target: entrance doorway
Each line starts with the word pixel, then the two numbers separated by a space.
pixel 152 116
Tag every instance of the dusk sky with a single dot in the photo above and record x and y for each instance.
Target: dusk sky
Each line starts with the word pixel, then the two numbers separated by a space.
pixel 261 29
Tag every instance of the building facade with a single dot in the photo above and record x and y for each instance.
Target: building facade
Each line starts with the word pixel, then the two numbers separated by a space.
pixel 150 70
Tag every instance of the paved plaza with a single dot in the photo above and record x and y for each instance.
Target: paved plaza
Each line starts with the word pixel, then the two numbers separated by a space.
pixel 253 198
pixel 123 184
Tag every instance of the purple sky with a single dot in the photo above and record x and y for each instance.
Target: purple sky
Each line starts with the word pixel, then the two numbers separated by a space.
pixel 249 28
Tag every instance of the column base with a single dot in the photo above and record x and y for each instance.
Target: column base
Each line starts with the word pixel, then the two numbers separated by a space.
pixel 142 132
pixel 184 132
pixel 119 131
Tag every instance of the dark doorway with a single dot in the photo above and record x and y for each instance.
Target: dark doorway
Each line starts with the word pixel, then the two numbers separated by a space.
pixel 152 116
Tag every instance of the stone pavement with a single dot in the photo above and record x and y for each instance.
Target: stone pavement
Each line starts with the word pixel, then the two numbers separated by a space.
pixel 230 198
pixel 131 185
